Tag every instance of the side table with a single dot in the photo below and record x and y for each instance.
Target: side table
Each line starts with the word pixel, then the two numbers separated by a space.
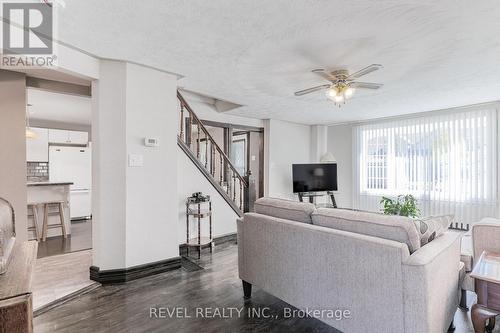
pixel 486 274
pixel 194 208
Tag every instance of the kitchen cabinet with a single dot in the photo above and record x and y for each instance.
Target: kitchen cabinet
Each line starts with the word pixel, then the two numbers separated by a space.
pixel 37 149
pixel 81 138
pixel 68 137
pixel 58 136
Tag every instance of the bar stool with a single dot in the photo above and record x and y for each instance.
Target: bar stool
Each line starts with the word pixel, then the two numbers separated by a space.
pixel 34 228
pixel 46 226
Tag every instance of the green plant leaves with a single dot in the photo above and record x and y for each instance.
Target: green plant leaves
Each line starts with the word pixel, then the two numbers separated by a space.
pixel 404 205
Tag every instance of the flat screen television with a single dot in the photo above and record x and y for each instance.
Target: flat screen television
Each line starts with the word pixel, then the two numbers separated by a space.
pixel 314 177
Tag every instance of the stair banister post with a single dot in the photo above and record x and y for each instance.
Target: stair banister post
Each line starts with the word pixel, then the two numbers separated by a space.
pixel 250 194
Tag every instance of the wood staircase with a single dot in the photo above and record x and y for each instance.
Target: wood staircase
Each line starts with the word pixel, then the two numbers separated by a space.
pixel 197 143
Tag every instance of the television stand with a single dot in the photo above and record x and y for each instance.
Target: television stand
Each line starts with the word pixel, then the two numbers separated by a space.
pixel 312 195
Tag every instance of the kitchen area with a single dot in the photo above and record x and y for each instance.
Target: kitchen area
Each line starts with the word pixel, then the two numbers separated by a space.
pixel 59 185
pixel 59 171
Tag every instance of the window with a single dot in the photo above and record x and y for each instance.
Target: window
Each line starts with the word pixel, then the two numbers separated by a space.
pixel 239 153
pixel 446 158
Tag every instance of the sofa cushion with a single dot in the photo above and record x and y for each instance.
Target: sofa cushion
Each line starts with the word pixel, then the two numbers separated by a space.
pixel 432 227
pixel 397 228
pixel 285 209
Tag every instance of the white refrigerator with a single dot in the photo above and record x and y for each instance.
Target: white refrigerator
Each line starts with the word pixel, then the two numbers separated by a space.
pixel 73 164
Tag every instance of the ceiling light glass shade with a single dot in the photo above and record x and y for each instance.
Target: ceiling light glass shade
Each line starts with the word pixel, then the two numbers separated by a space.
pixel 30 134
pixel 348 92
pixel 332 92
pixel 338 99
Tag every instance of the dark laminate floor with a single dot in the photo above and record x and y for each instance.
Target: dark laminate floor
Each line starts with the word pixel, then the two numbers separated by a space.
pixel 80 239
pixel 126 308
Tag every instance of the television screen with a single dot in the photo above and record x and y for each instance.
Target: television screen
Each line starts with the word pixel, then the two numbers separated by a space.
pixel 314 177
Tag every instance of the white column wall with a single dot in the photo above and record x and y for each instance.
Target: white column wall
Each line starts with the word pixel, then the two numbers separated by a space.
pixel 152 189
pixel 135 210
pixel 340 145
pixel 319 139
pixel 13 147
pixel 285 144
pixel 109 160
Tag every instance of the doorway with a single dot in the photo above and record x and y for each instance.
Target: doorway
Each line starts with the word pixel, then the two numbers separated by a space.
pixel 59 168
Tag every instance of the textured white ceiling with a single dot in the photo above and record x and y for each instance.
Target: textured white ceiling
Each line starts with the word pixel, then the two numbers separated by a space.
pixel 436 54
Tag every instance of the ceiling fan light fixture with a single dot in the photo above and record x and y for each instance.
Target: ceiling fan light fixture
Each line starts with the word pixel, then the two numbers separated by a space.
pixel 339 99
pixel 332 92
pixel 348 92
pixel 342 85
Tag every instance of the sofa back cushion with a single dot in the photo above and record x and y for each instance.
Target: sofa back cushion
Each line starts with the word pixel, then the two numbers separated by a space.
pixel 397 228
pixel 285 209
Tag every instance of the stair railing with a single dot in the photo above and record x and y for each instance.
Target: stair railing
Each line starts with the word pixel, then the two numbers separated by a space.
pixel 195 135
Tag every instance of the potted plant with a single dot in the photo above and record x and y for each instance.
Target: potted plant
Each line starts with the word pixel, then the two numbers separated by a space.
pixel 404 205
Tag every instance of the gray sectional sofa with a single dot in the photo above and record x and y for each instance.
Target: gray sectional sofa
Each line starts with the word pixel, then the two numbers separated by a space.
pixel 369 264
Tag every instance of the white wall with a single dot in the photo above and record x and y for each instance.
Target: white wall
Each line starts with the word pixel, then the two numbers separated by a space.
pixel 190 180
pixel 340 145
pixel 13 146
pixel 285 144
pixel 151 189
pixel 135 208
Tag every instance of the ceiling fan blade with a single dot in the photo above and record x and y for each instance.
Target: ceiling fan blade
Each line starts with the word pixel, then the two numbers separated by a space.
pixel 310 90
pixel 366 85
pixel 324 74
pixel 364 71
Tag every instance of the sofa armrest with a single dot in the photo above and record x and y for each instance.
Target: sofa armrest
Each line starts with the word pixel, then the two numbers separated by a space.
pixel 486 236
pixel 431 284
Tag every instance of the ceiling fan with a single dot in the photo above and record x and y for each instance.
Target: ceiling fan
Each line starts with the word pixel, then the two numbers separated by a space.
pixel 342 84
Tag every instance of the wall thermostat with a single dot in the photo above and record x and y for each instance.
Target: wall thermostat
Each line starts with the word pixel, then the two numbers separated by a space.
pixel 151 142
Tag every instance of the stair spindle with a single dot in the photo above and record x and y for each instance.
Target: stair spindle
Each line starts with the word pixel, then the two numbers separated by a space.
pixel 221 170
pixel 212 160
pixel 181 135
pixel 206 151
pixel 241 195
pixel 234 187
pixel 228 179
pixel 198 141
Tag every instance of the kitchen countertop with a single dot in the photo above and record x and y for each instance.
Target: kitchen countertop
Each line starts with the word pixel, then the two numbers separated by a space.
pixel 48 183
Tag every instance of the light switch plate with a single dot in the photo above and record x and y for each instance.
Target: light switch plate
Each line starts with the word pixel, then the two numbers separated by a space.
pixel 135 160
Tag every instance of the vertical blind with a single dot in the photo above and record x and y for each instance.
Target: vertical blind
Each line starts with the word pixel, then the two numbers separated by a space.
pixel 447 161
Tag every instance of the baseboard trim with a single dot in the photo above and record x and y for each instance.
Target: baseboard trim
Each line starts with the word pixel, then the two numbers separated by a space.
pixel 122 275
pixel 228 238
